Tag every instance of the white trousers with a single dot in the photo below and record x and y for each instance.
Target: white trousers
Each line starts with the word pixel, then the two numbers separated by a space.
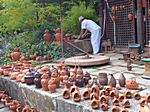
pixel 95 40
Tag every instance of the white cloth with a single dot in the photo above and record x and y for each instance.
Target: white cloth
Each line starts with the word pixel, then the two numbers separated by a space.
pixel 95 33
pixel 89 25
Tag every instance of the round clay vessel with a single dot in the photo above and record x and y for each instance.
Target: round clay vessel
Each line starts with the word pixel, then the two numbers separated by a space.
pixel 44 83
pixel 103 80
pixel 95 88
pixel 79 81
pixel 73 88
pixel 104 106
pixel 76 96
pixel 95 103
pixel 128 94
pixel 122 80
pixel 94 95
pixel 86 78
pixel 113 94
pixel 86 93
pixel 66 93
pixel 137 96
pixel 37 80
pixel 125 103
pixel 29 79
pixel 79 71
pixel 115 102
pixel 122 97
pixel 103 99
pixel 115 109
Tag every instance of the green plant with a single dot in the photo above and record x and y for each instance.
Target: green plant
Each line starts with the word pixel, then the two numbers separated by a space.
pixel 71 22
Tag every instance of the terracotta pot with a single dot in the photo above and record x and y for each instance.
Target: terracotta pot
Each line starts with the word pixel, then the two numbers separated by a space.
pixel 19 77
pixel 54 74
pixel 76 96
pixel 137 96
pixel 94 95
pixel 95 88
pixel 14 75
pixel 58 30
pixel 14 105
pixel 104 106
pixel 122 80
pixel 47 57
pixel 131 84
pixel 27 108
pixel 15 56
pixel 58 37
pixel 29 78
pixel 147 97
pixel 66 93
pixel 103 99
pixel 115 109
pixel 44 83
pixel 37 80
pixel 130 16
pixel 122 97
pixel 68 36
pixel 68 82
pixel 102 92
pixel 32 57
pixel 47 36
pixel 38 58
pixel 125 103
pixel 52 88
pixel 128 94
pixel 148 11
pixel 73 88
pixel 103 80
pixel 112 81
pixel 108 89
pixel 124 110
pixel 115 102
pixel 142 102
pixel 86 93
pixel 1 71
pixel 113 94
pixel 95 103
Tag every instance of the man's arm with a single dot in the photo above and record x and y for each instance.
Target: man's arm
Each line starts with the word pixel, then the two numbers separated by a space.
pixel 82 32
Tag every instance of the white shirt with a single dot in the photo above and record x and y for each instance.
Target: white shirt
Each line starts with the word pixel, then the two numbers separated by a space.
pixel 89 25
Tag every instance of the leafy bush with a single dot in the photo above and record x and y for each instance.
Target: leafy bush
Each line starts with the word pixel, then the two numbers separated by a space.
pixel 71 22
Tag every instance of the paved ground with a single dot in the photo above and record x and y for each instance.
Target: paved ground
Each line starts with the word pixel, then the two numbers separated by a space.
pixel 3 108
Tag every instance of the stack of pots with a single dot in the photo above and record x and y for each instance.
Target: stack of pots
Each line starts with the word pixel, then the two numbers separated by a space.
pixel 58 35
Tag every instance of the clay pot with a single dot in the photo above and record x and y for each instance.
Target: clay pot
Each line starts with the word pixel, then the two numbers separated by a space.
pixel 19 77
pixel 66 93
pixel 73 88
pixel 76 96
pixel 128 94
pixel 86 93
pixel 122 80
pixel 86 78
pixel 58 37
pixel 147 97
pixel 142 102
pixel 29 78
pixel 131 84
pixel 95 103
pixel 104 99
pixel 108 89
pixel 115 109
pixel 148 11
pixel 38 58
pixel 130 16
pixel 80 81
pixel 102 92
pixel 122 97
pixel 129 67
pixel 46 36
pixel 79 71
pixel 95 88
pixel 113 94
pixel 137 96
pixel 58 30
pixel 14 75
pixel 44 83
pixel 27 108
pixel 13 106
pixel 52 88
pixel 32 57
pixel 94 95
pixel 47 57
pixel 68 82
pixel 112 81
pixel 104 106
pixel 125 103
pixel 15 56
pixel 103 80
pixel 20 108
pixel 37 80
pixel 68 36
pixel 16 49
pixel 124 110
pixel 115 102
pixel 1 71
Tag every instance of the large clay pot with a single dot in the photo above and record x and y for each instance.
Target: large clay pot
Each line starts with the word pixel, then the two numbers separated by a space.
pixel 122 80
pixel 29 78
pixel 47 36
pixel 95 103
pixel 103 80
pixel 86 78
pixel 112 81
pixel 131 84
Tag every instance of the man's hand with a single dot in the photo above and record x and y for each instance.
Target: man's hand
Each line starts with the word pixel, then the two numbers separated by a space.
pixel 79 37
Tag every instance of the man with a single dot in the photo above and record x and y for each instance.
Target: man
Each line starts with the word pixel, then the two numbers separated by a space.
pixel 89 25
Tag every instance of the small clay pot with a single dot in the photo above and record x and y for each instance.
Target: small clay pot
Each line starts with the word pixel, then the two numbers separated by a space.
pixel 37 81
pixel 142 102
pixel 149 11
pixel 52 88
pixel 29 80
pixel 104 106
pixel 104 99
pixel 122 97
pixel 115 109
pixel 44 83
pixel 86 93
pixel 128 94
pixel 86 78
pixel 95 104
pixel 125 103
pixel 103 80
pixel 115 102
pixel 108 89
pixel 124 110
pixel 147 97
pixel 102 92
pixel 73 88
pixel 76 96
pixel 95 88
pixel 113 94
pixel 66 93
pixel 79 81
pixel 137 96
pixel 94 95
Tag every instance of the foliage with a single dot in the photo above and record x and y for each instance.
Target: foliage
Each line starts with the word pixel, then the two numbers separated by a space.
pixel 71 22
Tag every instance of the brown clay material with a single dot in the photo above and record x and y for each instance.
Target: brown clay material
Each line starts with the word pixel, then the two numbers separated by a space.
pixel 102 92
pixel 86 93
pixel 112 81
pixel 95 88
pixel 103 80
pixel 113 94
pixel 142 102
pixel 73 88
pixel 95 103
pixel 76 96
pixel 147 97
pixel 104 106
pixel 66 93
pixel 131 84
pixel 122 97
pixel 128 94
pixel 122 80
pixel 115 109
pixel 137 96
pixel 104 99
pixel 94 95
pixel 125 103
pixel 115 102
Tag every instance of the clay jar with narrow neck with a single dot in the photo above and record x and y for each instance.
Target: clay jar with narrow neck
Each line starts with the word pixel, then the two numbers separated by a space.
pixel 37 80
pixel 103 80
pixel 112 81
pixel 29 78
pixel 122 80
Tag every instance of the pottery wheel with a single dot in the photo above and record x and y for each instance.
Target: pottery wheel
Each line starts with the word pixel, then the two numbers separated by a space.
pixel 87 60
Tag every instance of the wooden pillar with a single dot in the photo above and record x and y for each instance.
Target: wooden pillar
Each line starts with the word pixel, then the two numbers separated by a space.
pixel 140 24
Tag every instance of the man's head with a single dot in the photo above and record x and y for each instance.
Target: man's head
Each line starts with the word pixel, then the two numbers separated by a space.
pixel 81 18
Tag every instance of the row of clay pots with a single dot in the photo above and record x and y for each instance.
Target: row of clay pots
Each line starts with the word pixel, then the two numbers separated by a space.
pixel 39 58
pixel 15 105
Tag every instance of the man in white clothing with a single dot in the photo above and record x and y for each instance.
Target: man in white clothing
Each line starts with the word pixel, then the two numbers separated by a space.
pixel 91 26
